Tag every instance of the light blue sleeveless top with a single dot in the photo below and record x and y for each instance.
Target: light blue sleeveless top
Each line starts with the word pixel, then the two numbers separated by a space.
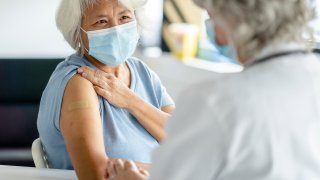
pixel 124 136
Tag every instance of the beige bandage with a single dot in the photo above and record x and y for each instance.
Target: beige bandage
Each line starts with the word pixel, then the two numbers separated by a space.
pixel 78 105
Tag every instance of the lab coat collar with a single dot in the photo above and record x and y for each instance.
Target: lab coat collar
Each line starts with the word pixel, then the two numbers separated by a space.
pixel 274 49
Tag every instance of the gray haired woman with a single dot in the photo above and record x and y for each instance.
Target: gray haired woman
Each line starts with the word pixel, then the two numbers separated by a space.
pixel 262 123
pixel 82 127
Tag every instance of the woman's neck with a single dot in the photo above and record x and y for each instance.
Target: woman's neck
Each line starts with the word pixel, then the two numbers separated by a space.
pixel 122 71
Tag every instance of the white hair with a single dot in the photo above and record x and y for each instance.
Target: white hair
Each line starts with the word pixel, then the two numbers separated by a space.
pixel 70 13
pixel 258 23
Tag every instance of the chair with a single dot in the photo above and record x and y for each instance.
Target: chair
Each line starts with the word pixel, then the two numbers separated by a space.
pixel 22 84
pixel 38 154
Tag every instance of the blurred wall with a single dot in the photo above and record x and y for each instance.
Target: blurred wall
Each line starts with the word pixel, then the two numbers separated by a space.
pixel 28 30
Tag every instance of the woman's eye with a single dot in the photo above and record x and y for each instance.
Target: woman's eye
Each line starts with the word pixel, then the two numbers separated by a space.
pixel 125 18
pixel 102 21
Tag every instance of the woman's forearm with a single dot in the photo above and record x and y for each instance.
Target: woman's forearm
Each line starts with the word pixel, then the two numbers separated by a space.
pixel 143 165
pixel 151 118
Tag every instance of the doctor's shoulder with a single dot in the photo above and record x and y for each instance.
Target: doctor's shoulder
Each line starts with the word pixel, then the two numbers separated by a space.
pixel 228 91
pixel 209 87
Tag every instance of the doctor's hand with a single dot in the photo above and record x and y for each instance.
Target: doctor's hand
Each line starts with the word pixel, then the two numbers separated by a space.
pixel 108 86
pixel 125 170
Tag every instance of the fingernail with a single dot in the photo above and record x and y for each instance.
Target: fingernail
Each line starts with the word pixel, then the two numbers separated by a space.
pixel 80 70
pixel 84 74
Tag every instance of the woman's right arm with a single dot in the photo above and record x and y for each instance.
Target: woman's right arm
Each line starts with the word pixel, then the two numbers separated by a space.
pixel 81 127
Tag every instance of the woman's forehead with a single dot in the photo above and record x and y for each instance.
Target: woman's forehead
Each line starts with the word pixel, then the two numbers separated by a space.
pixel 106 8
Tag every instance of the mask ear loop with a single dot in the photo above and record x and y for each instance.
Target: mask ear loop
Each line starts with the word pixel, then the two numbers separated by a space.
pixel 81 42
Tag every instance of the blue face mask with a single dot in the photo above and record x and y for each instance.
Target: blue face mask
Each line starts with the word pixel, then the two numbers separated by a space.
pixel 225 50
pixel 113 46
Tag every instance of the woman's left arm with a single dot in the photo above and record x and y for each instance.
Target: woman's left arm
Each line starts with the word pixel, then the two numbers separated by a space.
pixel 151 118
pixel 118 94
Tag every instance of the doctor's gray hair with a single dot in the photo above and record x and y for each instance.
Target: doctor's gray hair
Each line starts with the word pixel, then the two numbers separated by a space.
pixel 254 24
pixel 70 13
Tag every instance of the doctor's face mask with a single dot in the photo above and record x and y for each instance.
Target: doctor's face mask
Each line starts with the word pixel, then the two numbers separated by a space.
pixel 113 46
pixel 225 50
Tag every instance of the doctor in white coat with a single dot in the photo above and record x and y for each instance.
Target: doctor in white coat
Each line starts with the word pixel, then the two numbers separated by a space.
pixel 260 124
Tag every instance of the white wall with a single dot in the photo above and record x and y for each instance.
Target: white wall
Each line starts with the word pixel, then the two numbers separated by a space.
pixel 28 29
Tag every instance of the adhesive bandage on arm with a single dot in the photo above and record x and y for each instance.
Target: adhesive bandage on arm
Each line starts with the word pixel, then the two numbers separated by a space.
pixel 77 105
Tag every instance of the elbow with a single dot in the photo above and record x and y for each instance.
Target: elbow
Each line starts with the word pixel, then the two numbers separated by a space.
pixel 161 137
pixel 94 171
pixel 94 175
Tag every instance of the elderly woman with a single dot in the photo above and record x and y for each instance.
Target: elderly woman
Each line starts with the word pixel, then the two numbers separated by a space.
pixel 262 123
pixel 82 130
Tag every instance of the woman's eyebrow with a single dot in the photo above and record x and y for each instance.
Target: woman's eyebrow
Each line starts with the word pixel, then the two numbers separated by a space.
pixel 125 11
pixel 101 15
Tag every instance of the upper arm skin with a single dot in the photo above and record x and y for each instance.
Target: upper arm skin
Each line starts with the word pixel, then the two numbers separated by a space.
pixel 81 127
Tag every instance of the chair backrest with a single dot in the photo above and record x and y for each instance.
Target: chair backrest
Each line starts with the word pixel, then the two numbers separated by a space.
pixel 38 154
pixel 22 84
pixel 23 81
pixel 317 51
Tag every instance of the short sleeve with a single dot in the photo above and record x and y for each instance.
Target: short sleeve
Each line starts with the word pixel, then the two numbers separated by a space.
pixel 163 97
pixel 149 84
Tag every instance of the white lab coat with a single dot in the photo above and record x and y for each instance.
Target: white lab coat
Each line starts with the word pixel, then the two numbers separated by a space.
pixel 260 124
